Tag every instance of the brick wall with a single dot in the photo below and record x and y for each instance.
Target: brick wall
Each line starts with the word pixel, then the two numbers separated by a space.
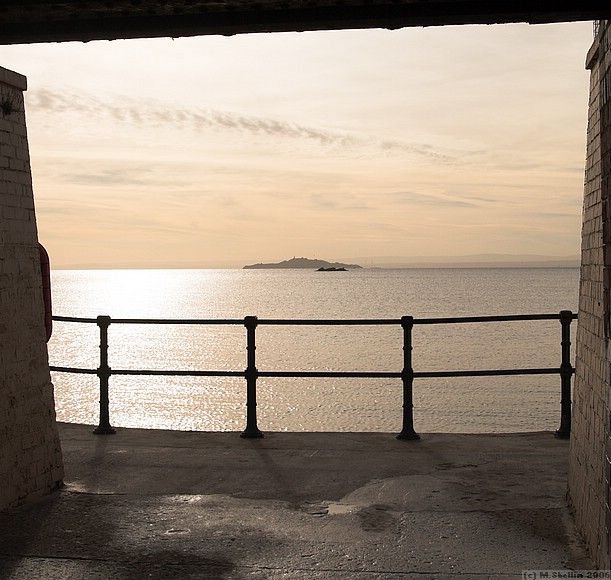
pixel 605 187
pixel 30 455
pixel 589 463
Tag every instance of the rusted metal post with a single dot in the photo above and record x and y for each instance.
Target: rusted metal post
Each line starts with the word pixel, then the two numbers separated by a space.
pixel 566 372
pixel 407 376
pixel 251 374
pixel 104 428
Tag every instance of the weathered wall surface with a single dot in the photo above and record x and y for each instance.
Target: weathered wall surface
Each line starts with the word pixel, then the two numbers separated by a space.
pixel 589 451
pixel 30 455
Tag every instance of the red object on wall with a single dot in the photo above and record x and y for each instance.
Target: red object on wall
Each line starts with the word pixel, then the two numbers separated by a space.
pixel 45 269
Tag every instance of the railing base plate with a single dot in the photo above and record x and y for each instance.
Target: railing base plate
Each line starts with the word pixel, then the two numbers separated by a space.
pixel 104 431
pixel 562 434
pixel 251 435
pixel 408 436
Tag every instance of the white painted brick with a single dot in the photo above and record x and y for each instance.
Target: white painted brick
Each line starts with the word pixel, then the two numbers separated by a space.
pixel 30 456
pixel 591 396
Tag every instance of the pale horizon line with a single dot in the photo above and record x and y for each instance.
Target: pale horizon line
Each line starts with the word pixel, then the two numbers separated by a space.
pixel 489 260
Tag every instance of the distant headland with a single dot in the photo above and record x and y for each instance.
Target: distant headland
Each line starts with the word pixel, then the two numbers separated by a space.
pixel 302 263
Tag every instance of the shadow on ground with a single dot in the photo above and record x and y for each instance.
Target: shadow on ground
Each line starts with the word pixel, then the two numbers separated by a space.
pixel 166 504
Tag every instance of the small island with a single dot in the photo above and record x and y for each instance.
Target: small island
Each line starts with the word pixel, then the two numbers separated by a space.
pixel 305 263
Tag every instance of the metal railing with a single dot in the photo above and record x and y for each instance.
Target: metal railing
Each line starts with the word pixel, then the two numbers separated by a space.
pixel 407 375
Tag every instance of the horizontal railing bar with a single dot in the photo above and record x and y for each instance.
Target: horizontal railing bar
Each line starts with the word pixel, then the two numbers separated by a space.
pixel 330 374
pixel 486 373
pixel 391 321
pixel 153 372
pixel 329 322
pixel 73 319
pixel 234 321
pixel 319 374
pixel 320 322
pixel 503 318
pixel 73 370
pixel 417 374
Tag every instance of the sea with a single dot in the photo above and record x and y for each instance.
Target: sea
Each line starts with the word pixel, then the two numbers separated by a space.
pixel 498 404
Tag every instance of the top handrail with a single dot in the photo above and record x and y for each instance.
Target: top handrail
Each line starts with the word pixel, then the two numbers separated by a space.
pixel 322 321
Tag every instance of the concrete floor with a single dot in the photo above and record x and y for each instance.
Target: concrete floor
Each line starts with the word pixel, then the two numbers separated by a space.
pixel 167 504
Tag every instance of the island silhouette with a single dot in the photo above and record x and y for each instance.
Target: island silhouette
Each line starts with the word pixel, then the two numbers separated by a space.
pixel 303 263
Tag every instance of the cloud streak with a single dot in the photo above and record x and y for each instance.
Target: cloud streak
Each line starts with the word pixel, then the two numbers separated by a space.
pixel 107 177
pixel 420 199
pixel 154 113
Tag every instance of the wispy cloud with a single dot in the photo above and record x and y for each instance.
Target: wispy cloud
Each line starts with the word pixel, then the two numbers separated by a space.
pixel 110 174
pixel 421 199
pixel 155 113
pixel 108 177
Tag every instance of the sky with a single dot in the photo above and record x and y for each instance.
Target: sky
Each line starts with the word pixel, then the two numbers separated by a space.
pixel 224 151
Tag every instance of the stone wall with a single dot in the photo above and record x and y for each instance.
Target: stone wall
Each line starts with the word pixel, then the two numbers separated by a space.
pixel 30 455
pixel 589 452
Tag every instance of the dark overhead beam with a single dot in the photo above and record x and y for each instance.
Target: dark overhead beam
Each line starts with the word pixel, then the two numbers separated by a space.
pixel 32 21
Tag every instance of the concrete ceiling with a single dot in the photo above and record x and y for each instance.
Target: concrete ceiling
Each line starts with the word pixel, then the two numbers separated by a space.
pixel 32 21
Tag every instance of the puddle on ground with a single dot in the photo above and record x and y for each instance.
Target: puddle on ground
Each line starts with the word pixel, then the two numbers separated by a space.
pixel 178 531
pixel 328 509
pixel 335 509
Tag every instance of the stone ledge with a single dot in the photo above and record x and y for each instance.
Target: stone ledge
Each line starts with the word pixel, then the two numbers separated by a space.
pixel 15 80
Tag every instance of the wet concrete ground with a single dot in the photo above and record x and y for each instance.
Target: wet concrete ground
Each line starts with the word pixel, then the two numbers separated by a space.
pixel 168 504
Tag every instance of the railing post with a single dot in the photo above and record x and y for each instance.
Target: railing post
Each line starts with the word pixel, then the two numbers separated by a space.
pixel 251 374
pixel 104 428
pixel 407 376
pixel 566 372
